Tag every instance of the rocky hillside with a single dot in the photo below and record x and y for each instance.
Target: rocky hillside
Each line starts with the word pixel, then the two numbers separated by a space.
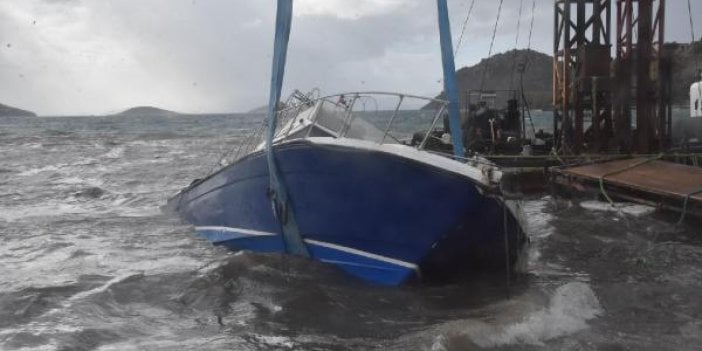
pixel 14 112
pixel 497 71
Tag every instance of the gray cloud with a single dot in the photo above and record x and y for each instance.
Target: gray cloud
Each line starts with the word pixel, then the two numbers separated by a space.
pixel 63 57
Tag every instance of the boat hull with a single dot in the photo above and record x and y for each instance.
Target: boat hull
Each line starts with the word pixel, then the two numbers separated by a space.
pixel 374 214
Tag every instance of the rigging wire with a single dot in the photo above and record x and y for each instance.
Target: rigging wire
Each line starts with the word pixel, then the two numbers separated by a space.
pixel 692 34
pixel 492 43
pixel 463 29
pixel 692 23
pixel 531 26
pixel 524 68
pixel 516 45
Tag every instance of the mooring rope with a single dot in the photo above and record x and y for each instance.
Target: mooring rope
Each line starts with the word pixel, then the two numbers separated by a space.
pixel 687 199
pixel 627 168
pixel 506 246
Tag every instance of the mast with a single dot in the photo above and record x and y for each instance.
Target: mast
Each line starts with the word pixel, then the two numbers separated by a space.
pixel 450 87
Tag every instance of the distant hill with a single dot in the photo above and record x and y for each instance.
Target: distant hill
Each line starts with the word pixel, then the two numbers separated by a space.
pixel 258 110
pixel 9 111
pixel 147 111
pixel 497 71
pixel 264 109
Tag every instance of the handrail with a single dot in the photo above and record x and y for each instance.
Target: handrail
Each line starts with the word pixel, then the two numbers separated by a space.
pixel 369 93
pixel 346 124
pixel 433 125
pixel 392 119
pixel 356 96
pixel 284 126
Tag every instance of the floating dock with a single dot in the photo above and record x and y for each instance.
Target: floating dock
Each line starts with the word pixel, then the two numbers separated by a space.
pixel 651 181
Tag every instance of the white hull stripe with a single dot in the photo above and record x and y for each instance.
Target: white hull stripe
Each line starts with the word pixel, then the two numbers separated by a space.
pixel 236 231
pixel 316 243
pixel 362 253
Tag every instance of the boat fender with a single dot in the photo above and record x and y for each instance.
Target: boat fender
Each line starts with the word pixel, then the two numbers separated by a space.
pixel 446 138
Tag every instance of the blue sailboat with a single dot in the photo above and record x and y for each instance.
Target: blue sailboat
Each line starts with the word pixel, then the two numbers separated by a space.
pixel 325 180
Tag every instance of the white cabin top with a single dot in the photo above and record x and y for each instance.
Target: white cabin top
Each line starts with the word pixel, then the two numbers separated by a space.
pixel 696 99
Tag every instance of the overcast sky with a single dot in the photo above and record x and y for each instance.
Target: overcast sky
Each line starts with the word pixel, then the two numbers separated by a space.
pixel 69 57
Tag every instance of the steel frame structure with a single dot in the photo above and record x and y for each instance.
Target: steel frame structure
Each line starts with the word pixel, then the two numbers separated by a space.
pixel 642 78
pixel 586 84
pixel 581 72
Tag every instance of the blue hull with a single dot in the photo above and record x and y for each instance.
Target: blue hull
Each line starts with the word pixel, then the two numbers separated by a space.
pixel 375 215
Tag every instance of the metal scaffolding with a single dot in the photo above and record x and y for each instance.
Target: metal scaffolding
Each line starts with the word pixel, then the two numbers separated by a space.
pixel 594 99
pixel 581 74
pixel 642 76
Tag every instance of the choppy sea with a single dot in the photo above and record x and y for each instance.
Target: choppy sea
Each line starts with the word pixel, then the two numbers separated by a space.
pixel 89 262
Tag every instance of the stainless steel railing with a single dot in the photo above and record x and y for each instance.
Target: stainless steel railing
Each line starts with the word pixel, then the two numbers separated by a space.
pixel 387 113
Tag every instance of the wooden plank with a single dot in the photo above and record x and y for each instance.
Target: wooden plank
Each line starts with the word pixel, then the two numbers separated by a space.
pixel 659 177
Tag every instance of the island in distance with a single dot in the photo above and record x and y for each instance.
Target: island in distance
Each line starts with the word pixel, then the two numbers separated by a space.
pixel 149 111
pixel 9 111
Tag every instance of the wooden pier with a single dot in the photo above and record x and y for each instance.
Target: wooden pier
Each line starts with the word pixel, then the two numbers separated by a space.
pixel 651 181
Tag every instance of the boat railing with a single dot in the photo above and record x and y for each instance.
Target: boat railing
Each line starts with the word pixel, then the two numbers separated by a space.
pixel 297 102
pixel 381 117
pixel 394 117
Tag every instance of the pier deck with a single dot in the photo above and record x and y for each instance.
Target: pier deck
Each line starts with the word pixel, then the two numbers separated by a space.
pixel 651 181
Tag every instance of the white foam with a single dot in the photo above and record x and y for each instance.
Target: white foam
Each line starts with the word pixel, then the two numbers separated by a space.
pixel 116 152
pixel 537 225
pixel 33 145
pixel 538 221
pixel 78 180
pixel 439 343
pixel 98 289
pixel 11 214
pixel 35 171
pixel 62 167
pixel 277 341
pixel 568 311
pixel 121 206
pixel 635 210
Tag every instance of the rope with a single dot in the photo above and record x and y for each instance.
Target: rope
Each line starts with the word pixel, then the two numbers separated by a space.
pixel 627 168
pixel 526 64
pixel 465 25
pixel 556 156
pixel 526 104
pixel 692 22
pixel 684 209
pixel 492 43
pixel 506 239
pixel 531 26
pixel 516 44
